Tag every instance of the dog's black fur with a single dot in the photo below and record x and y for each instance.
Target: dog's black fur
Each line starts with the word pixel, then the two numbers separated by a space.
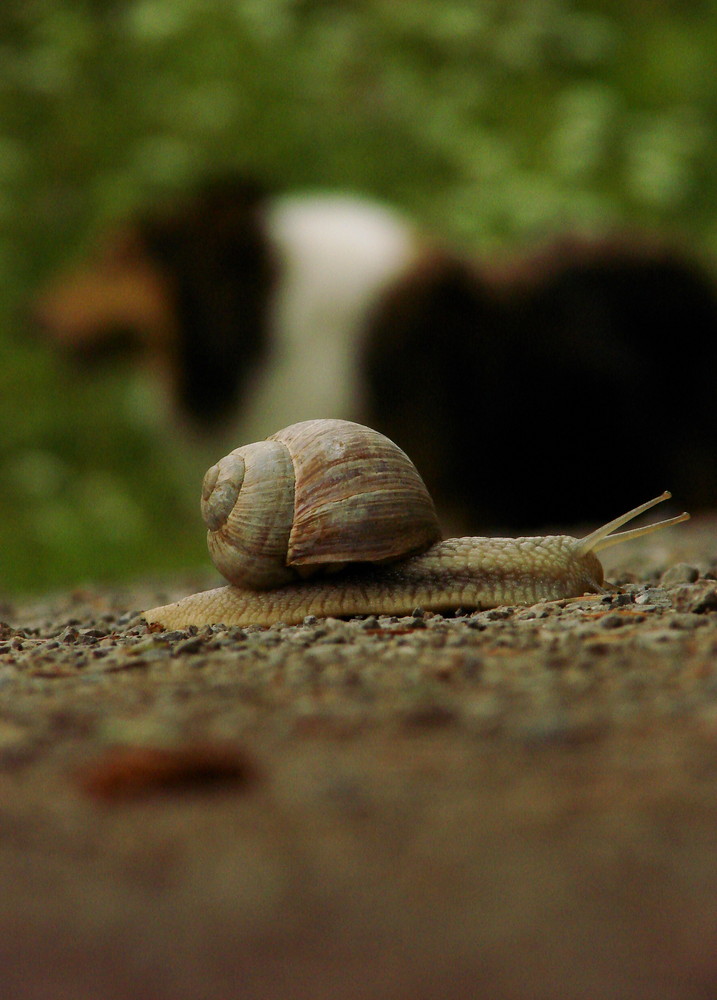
pixel 567 393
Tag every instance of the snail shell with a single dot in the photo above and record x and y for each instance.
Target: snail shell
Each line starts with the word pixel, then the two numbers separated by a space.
pixel 312 498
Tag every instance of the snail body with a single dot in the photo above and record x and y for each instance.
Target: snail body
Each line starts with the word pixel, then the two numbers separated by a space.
pixel 329 518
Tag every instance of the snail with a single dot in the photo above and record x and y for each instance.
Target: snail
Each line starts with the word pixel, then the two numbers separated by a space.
pixel 330 518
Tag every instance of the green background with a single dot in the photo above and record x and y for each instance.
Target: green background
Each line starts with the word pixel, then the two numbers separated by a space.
pixel 492 122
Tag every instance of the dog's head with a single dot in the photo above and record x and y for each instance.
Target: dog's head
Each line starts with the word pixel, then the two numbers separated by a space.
pixel 184 289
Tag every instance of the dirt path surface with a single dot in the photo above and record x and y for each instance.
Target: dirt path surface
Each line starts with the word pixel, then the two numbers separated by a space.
pixel 519 803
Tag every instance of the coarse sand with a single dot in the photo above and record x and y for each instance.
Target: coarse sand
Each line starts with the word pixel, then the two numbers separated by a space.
pixel 516 803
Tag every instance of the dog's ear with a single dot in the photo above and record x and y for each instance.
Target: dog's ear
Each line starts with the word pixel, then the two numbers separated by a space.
pixel 229 207
pixel 216 255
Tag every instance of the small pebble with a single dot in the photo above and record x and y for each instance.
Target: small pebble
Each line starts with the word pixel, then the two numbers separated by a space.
pixel 499 614
pixel 618 600
pixel 680 573
pixel 612 621
pixel 705 602
pixel 686 620
pixel 654 596
pixel 191 645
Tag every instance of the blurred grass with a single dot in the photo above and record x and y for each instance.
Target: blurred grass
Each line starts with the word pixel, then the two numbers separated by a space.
pixel 492 121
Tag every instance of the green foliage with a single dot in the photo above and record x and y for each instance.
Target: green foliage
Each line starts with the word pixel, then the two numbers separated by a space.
pixel 492 121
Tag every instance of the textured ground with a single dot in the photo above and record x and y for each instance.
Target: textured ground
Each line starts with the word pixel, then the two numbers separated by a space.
pixel 521 803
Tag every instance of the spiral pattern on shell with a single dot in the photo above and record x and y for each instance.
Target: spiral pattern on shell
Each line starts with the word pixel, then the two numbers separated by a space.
pixel 314 497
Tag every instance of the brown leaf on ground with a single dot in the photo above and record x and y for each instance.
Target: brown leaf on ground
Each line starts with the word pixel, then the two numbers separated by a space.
pixel 134 771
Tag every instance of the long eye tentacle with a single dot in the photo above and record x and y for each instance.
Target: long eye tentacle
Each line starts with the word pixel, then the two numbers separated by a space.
pixel 603 537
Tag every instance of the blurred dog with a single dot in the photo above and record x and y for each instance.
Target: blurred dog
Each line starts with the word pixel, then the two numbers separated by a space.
pixel 562 387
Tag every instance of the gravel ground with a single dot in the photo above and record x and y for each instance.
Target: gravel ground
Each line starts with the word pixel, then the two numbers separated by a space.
pixel 517 803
